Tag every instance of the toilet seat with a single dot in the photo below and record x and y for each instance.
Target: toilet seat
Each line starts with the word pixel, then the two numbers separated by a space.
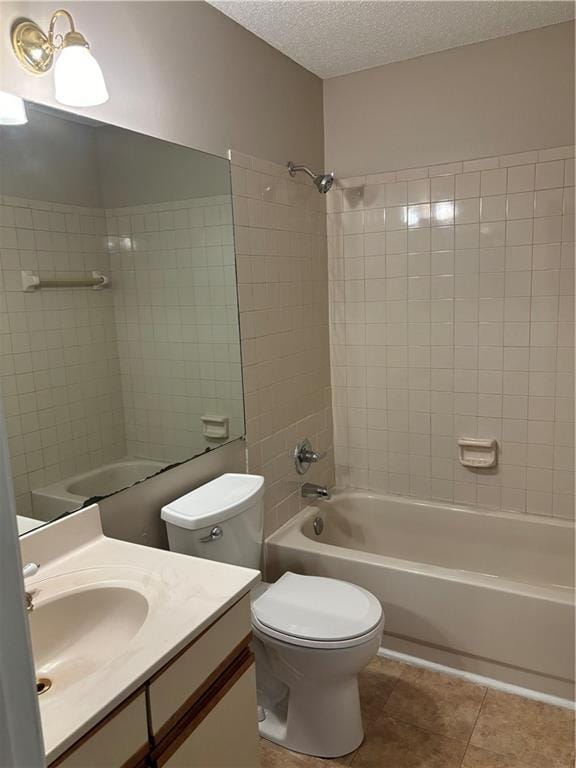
pixel 317 612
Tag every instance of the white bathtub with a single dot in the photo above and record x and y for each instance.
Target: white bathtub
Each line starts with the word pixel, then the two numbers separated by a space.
pixel 488 593
pixel 72 492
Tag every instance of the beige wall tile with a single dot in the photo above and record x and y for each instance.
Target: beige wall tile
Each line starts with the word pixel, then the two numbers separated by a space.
pixel 471 319
pixel 283 305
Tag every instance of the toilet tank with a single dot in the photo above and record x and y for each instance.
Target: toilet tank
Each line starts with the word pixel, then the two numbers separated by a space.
pixel 222 520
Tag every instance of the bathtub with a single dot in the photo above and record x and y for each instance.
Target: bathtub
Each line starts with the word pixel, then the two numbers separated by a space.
pixel 68 494
pixel 483 592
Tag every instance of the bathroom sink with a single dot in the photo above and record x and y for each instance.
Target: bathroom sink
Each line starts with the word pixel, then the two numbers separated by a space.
pixel 78 627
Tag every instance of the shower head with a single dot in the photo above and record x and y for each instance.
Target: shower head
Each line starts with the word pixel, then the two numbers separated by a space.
pixel 322 181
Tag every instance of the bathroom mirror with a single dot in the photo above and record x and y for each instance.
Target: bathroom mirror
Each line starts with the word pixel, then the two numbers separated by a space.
pixel 119 340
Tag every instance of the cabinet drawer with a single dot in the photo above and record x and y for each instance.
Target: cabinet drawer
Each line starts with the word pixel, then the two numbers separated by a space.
pixel 174 689
pixel 226 737
pixel 121 739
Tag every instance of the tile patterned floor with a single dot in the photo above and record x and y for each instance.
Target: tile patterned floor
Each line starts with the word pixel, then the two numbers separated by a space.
pixel 415 718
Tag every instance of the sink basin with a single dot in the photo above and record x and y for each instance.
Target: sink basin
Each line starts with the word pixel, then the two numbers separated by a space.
pixel 78 630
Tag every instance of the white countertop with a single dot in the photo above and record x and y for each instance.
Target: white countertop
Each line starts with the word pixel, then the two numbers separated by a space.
pixel 185 595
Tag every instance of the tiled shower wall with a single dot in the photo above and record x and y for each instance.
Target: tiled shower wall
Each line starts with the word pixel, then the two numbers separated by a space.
pixel 452 315
pixel 280 238
pixel 174 290
pixel 59 367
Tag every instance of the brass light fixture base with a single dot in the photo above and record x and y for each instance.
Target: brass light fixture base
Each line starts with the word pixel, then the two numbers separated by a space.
pixel 32 46
pixel 36 51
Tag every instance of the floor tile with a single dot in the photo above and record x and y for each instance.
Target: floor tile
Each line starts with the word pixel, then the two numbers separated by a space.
pixel 376 683
pixel 481 758
pixel 273 756
pixel 415 718
pixel 436 702
pixel 537 734
pixel 393 744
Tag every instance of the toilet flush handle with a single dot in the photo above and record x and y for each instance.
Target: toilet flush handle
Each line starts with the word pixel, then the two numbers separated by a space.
pixel 215 534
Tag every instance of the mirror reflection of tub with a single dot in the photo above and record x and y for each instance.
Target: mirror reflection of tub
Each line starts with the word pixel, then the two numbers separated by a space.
pixel 72 492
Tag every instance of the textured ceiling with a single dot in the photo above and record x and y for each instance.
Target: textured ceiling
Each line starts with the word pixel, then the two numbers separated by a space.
pixel 334 37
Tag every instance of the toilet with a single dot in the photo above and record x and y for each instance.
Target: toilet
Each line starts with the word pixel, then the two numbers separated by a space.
pixel 312 635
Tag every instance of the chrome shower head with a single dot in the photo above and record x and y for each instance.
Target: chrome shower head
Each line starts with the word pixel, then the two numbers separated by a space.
pixel 322 181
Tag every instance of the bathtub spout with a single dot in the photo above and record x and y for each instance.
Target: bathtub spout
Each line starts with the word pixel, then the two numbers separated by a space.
pixel 312 491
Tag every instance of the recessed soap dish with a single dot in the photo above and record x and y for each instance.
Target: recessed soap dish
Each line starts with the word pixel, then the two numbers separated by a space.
pixel 215 427
pixel 477 453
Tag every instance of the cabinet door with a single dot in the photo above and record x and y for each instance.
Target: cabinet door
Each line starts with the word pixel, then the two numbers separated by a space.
pixel 121 739
pixel 174 689
pixel 225 737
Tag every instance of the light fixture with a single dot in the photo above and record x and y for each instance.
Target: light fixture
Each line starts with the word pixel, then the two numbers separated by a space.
pixel 78 79
pixel 12 110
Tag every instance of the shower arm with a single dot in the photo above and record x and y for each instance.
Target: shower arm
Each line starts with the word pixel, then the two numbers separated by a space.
pixel 292 169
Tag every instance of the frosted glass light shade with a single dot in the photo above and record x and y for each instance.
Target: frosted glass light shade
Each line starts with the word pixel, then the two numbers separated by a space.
pixel 12 110
pixel 78 79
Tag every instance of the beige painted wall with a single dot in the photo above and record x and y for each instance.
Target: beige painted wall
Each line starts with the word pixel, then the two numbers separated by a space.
pixel 186 73
pixel 138 170
pixel 50 159
pixel 493 98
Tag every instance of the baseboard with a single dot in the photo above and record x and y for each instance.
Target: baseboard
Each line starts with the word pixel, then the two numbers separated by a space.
pixel 472 677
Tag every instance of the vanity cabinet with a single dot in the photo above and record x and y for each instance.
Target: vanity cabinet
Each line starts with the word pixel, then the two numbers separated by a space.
pixel 198 711
pixel 223 733
pixel 174 689
pixel 121 739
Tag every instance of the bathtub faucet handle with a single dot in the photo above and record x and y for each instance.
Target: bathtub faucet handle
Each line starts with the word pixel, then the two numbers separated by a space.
pixel 304 455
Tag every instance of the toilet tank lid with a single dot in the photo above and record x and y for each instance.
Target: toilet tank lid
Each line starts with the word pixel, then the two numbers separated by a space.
pixel 220 499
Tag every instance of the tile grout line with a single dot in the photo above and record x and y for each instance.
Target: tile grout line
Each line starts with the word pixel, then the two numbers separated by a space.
pixel 436 733
pixel 474 726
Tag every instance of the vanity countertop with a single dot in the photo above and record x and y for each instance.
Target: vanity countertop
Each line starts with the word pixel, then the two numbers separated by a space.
pixel 183 595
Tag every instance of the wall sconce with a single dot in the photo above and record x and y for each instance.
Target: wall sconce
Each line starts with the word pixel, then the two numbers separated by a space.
pixel 78 79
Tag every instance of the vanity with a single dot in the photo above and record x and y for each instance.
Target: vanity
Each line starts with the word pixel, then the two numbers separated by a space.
pixel 142 656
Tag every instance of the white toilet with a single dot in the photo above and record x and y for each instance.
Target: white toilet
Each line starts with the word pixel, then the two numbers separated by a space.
pixel 313 635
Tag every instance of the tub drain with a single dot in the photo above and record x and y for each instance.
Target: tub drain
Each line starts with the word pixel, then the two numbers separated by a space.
pixel 43 684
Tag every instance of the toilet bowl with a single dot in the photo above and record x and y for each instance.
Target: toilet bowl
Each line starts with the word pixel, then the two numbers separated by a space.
pixel 312 635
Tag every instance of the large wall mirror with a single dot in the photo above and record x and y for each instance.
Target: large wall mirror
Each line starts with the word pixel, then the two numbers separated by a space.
pixel 119 337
